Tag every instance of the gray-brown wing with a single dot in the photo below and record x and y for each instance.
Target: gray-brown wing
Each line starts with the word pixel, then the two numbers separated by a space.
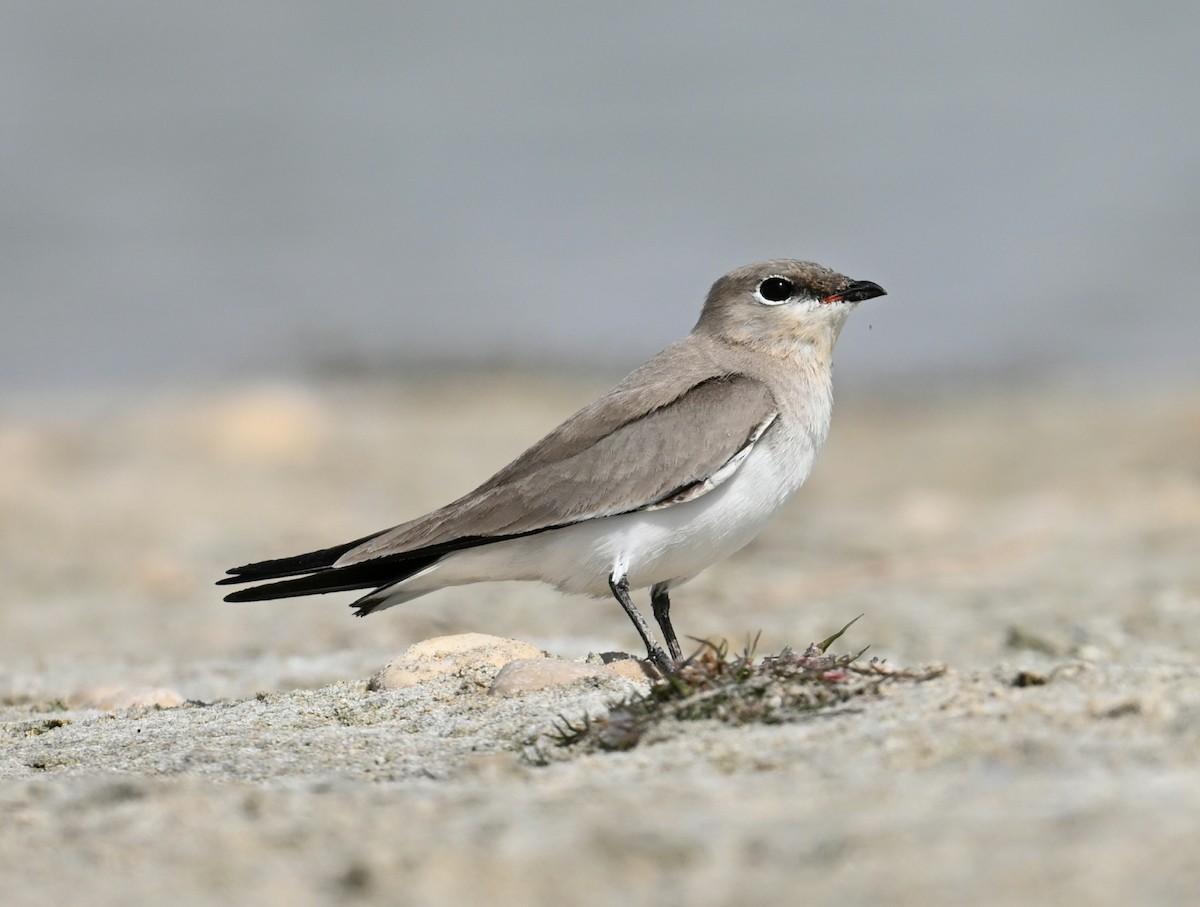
pixel 670 454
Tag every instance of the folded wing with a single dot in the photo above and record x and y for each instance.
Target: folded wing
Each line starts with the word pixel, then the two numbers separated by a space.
pixel 621 454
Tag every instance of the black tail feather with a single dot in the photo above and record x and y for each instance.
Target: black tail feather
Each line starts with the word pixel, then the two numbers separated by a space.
pixel 313 573
pixel 370 574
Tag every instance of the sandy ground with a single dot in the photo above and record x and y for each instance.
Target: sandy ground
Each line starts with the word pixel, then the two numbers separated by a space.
pixel 1049 535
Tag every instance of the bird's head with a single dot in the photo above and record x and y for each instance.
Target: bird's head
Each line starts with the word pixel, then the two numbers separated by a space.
pixel 783 304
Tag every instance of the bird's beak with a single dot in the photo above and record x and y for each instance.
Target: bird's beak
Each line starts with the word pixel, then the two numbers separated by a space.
pixel 856 291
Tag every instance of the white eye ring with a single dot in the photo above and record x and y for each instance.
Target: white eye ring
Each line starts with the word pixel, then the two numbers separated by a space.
pixel 775 290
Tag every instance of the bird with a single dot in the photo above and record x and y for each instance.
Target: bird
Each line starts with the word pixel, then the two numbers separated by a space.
pixel 680 465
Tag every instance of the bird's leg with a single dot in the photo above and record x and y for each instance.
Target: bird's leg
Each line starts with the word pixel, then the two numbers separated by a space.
pixel 660 601
pixel 620 589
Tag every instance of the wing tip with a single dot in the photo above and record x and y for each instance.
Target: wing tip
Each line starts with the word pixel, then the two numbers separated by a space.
pixel 242 595
pixel 295 565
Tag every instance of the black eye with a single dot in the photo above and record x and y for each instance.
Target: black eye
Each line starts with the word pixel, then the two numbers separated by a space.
pixel 776 289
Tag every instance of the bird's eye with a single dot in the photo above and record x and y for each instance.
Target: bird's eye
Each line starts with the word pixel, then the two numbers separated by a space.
pixel 775 290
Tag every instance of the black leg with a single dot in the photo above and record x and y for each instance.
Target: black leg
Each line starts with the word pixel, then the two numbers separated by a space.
pixel 660 601
pixel 620 589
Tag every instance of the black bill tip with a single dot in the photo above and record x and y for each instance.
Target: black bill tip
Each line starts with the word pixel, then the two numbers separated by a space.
pixel 857 291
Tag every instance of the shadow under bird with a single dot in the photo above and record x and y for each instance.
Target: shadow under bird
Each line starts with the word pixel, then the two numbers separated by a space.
pixel 678 466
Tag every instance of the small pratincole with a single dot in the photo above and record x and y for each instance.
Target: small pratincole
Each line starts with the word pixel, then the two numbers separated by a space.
pixel 675 468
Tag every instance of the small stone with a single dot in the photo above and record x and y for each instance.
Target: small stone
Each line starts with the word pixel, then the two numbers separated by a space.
pixel 633 669
pixel 460 654
pixel 1029 678
pixel 112 699
pixel 527 674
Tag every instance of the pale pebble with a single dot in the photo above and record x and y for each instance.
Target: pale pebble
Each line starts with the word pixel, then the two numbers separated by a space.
pixel 463 653
pixel 527 674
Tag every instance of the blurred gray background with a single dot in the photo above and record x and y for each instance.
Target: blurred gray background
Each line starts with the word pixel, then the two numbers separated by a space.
pixel 191 192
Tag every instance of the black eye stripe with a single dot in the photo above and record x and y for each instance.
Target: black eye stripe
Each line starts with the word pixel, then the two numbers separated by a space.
pixel 776 289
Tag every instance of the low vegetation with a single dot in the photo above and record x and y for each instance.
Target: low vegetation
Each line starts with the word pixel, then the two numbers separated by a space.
pixel 736 688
